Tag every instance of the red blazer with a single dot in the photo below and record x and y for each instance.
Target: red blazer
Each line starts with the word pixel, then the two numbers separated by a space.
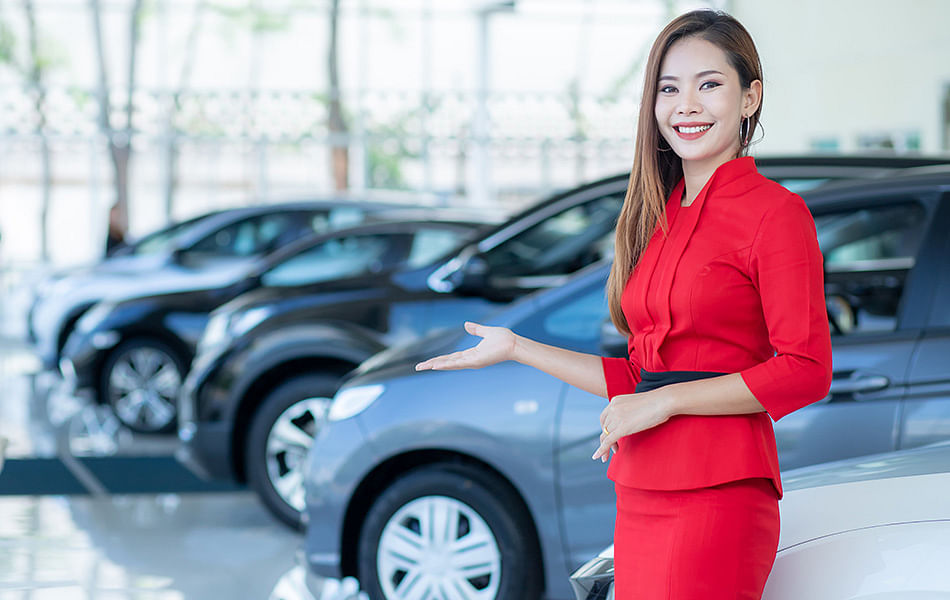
pixel 737 286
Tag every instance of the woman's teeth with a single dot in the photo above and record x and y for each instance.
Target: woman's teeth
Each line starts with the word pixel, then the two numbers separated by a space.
pixel 696 129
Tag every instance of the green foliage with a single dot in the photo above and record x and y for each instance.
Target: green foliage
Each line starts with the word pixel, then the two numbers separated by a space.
pixel 388 147
pixel 256 19
pixel 7 44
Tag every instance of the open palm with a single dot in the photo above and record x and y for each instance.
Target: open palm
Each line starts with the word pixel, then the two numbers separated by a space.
pixel 497 345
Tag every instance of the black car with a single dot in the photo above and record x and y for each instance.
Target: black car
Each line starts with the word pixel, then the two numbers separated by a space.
pixel 180 255
pixel 271 359
pixel 133 353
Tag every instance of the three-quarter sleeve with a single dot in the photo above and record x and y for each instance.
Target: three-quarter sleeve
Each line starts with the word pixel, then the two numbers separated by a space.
pixel 621 374
pixel 785 264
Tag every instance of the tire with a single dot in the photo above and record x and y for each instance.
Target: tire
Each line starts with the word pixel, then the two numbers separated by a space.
pixel 141 380
pixel 277 442
pixel 468 504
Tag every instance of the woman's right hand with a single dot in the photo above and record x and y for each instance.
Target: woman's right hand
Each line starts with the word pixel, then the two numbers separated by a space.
pixel 497 345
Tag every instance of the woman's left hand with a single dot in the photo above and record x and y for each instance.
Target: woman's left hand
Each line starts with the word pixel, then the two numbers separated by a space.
pixel 632 413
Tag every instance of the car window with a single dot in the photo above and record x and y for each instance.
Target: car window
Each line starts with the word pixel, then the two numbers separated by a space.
pixel 162 240
pixel 339 258
pixel 580 319
pixel 430 244
pixel 868 253
pixel 801 184
pixel 248 237
pixel 560 244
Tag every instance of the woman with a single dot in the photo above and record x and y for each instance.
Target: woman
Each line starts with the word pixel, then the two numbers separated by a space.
pixel 717 281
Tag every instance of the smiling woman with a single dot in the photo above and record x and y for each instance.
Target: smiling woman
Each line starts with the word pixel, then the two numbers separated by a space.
pixel 717 281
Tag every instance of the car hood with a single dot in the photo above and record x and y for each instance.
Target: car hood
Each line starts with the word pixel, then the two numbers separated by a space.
pixel 65 295
pixel 926 460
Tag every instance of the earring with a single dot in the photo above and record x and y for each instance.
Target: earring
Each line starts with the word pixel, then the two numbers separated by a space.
pixel 660 147
pixel 745 131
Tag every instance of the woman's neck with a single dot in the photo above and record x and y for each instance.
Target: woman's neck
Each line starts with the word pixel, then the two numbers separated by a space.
pixel 697 173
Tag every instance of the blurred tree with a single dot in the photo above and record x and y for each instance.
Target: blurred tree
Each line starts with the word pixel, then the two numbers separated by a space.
pixel 173 108
pixel 119 139
pixel 35 71
pixel 336 123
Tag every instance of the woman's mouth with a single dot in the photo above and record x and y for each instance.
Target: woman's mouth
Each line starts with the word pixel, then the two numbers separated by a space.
pixel 691 131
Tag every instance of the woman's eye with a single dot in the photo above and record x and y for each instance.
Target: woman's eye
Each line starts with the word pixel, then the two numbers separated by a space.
pixel 667 89
pixel 708 85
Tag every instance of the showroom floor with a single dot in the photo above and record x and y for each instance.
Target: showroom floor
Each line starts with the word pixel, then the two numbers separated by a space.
pixel 90 511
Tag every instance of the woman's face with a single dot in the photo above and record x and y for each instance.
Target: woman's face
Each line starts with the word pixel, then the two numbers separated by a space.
pixel 700 102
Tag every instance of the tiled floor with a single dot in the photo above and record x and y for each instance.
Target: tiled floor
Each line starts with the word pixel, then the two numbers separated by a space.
pixel 96 545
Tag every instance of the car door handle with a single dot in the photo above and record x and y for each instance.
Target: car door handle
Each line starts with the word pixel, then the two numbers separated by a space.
pixel 854 385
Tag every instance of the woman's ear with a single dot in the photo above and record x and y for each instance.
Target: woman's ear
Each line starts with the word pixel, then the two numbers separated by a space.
pixel 752 97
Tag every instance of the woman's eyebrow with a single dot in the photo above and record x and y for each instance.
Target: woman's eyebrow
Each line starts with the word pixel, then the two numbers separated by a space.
pixel 698 75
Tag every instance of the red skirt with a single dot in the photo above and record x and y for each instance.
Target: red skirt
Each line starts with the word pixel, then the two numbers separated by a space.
pixel 714 543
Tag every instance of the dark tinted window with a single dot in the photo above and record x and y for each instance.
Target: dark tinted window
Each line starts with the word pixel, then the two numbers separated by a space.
pixel 161 241
pixel 249 237
pixel 562 243
pixel 868 254
pixel 340 258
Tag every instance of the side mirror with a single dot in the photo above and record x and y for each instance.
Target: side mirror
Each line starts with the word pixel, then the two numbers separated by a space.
pixel 612 343
pixel 473 276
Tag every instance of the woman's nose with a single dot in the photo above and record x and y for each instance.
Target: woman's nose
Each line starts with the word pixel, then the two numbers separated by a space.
pixel 688 104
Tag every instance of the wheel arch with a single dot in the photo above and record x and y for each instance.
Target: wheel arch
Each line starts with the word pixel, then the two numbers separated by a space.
pixel 265 383
pixel 390 470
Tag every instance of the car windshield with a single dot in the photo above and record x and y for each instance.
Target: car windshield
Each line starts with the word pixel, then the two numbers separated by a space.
pixel 162 240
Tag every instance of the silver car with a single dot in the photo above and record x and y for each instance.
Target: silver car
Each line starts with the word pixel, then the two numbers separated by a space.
pixel 869 527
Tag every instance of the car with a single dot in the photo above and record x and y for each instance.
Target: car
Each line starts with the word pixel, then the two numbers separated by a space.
pixel 868 527
pixel 310 339
pixel 210 247
pixel 506 450
pixel 133 353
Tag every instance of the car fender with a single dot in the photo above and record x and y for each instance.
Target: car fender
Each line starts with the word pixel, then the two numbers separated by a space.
pixel 280 347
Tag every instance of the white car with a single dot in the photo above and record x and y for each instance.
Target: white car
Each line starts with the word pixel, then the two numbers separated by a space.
pixel 868 528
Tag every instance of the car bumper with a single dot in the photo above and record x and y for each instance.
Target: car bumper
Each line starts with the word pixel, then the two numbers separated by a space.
pixel 204 450
pixel 84 355
pixel 338 460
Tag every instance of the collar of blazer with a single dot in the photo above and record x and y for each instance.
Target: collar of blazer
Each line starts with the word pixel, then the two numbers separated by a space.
pixel 727 174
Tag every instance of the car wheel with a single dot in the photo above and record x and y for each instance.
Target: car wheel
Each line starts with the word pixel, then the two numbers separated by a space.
pixel 448 531
pixel 279 438
pixel 141 380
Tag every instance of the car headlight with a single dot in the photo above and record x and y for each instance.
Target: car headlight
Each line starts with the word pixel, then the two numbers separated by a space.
pixel 352 401
pixel 95 316
pixel 595 579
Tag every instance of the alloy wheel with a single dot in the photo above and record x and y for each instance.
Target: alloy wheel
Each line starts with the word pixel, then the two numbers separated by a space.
pixel 288 442
pixel 143 387
pixel 438 547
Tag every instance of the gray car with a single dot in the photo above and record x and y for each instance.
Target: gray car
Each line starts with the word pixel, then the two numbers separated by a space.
pixel 482 480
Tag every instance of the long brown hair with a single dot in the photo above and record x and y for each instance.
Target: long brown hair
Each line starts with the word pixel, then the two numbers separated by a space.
pixel 656 170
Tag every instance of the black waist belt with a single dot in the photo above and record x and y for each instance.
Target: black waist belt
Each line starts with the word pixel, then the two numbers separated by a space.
pixel 651 380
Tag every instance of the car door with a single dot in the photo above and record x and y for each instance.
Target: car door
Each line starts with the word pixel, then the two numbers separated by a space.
pixel 584 495
pixel 873 287
pixel 925 417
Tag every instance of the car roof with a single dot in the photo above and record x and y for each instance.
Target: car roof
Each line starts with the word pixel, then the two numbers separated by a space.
pixel 902 181
pixel 394 226
pixel 225 217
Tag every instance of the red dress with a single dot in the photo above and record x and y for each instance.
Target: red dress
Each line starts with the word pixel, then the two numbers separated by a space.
pixel 735 287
